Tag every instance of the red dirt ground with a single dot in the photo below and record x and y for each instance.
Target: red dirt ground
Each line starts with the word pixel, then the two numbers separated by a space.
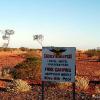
pixel 89 69
pixel 10 58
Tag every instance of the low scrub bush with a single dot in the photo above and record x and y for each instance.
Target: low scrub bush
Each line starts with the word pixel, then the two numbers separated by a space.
pixel 82 83
pixel 19 86
pixel 97 89
pixel 28 69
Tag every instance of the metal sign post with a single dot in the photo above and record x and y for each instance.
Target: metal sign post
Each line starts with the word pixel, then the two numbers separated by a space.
pixel 42 90
pixel 73 85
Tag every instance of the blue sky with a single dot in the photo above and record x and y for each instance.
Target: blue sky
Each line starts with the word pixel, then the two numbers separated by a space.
pixel 62 22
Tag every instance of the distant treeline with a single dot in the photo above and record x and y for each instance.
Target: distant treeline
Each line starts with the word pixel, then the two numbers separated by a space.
pixel 14 49
pixel 93 52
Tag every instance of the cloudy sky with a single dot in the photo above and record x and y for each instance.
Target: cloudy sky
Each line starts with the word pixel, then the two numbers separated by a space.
pixel 67 23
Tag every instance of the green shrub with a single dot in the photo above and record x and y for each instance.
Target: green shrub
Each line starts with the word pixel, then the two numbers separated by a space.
pixel 28 69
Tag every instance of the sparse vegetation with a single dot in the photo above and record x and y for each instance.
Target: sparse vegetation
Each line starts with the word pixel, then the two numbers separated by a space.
pixel 82 83
pixel 28 69
pixel 93 52
pixel 97 89
pixel 23 49
pixel 19 86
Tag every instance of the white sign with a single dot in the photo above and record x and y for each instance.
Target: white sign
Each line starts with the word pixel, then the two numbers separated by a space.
pixel 58 64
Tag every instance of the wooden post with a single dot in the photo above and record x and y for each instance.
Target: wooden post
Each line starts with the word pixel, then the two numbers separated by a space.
pixel 42 90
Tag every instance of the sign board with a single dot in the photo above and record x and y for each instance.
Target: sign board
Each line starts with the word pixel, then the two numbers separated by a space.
pixel 58 64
